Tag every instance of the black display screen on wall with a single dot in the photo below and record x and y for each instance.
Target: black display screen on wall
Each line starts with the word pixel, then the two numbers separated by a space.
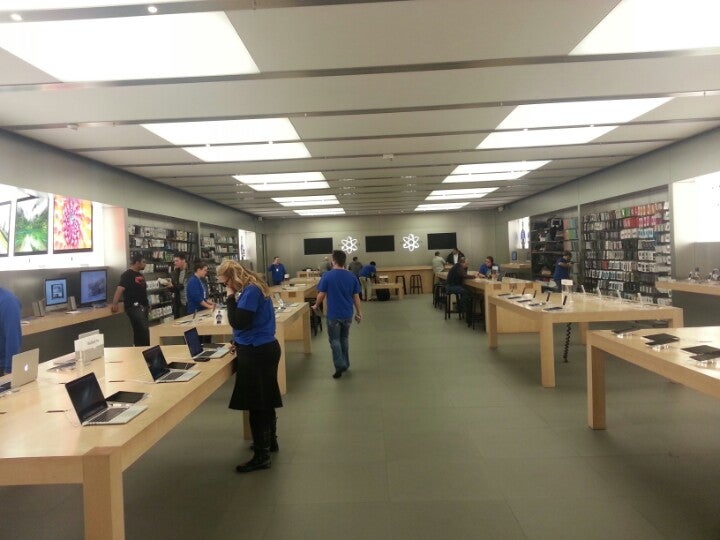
pixel 446 240
pixel 379 243
pixel 318 246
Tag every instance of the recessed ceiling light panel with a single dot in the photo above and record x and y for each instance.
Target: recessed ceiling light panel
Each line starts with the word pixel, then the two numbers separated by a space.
pixel 129 48
pixel 502 166
pixel 447 194
pixel 320 212
pixel 543 137
pixel 280 177
pixel 310 200
pixel 290 186
pixel 249 152
pixel 225 131
pixel 433 207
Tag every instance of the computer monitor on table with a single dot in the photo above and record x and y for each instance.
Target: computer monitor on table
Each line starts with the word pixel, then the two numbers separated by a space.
pixel 93 287
pixel 56 293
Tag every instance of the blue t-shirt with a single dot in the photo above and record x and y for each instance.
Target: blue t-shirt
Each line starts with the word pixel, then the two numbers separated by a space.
pixel 368 270
pixel 262 329
pixel 485 270
pixel 196 293
pixel 277 272
pixel 339 285
pixel 10 330
pixel 560 272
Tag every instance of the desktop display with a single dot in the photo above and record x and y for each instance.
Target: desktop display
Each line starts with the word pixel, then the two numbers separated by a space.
pixel 93 286
pixel 56 292
pixel 72 224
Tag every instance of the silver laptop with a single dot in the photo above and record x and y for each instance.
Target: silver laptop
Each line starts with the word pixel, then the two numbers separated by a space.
pixel 91 406
pixel 200 352
pixel 159 369
pixel 24 370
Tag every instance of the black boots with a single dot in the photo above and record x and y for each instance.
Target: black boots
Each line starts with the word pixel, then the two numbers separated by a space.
pixel 261 454
pixel 273 436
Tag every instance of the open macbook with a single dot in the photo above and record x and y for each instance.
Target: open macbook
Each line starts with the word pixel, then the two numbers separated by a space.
pixel 200 352
pixel 160 370
pixel 91 406
pixel 24 370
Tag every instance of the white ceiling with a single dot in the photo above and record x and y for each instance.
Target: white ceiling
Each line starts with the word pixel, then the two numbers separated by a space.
pixel 423 80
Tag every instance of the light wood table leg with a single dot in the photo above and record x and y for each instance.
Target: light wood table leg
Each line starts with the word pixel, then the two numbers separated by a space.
pixel 103 495
pixel 583 332
pixel 596 387
pixel 677 320
pixel 547 354
pixel 491 324
pixel 307 338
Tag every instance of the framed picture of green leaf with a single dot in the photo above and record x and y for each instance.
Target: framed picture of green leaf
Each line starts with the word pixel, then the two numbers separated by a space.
pixel 5 228
pixel 31 226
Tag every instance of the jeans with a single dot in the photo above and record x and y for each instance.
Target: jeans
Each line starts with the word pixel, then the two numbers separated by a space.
pixel 338 334
pixel 139 322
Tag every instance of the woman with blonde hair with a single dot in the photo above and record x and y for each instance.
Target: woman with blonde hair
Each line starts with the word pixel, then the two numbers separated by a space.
pixel 252 316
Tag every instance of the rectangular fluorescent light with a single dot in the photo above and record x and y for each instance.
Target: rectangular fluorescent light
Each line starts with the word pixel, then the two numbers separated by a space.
pixel 652 25
pixel 249 152
pixel 289 186
pixel 320 212
pixel 310 200
pixel 33 5
pixel 280 177
pixel 543 137
pixel 129 48
pixel 225 131
pixel 449 194
pixel 446 206
pixel 486 177
pixel 579 113
pixel 501 166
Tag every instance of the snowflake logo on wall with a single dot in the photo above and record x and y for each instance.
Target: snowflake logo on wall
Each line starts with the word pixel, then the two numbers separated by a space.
pixel 349 245
pixel 411 242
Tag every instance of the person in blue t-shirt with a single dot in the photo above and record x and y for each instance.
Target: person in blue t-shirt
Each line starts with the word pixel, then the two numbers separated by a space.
pixel 366 277
pixel 10 329
pixel 562 269
pixel 252 315
pixel 277 271
pixel 486 267
pixel 341 290
pixel 197 289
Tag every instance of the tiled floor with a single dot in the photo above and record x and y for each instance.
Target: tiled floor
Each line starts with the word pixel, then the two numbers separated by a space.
pixel 430 435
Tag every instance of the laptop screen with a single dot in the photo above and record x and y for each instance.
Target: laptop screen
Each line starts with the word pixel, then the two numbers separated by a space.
pixel 156 363
pixel 192 338
pixel 86 396
pixel 25 367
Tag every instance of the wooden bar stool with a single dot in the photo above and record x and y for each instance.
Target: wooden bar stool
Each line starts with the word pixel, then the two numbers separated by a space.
pixel 416 284
pixel 400 278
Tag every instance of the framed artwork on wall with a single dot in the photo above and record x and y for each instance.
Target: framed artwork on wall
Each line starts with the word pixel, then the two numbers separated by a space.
pixel 31 225
pixel 72 225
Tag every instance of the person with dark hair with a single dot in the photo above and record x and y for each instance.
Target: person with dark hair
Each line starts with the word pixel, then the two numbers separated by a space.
pixel 252 316
pixel 366 277
pixel 562 269
pixel 355 266
pixel 454 256
pixel 342 291
pixel 197 289
pixel 454 283
pixel 277 271
pixel 133 291
pixel 486 267
pixel 178 280
pixel 10 329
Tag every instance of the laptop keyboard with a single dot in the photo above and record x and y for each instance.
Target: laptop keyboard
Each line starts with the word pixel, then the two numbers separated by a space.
pixel 109 414
pixel 5 386
pixel 173 375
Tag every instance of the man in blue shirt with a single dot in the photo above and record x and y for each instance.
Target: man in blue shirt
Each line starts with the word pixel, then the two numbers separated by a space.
pixel 562 269
pixel 366 276
pixel 197 289
pixel 10 331
pixel 277 271
pixel 342 291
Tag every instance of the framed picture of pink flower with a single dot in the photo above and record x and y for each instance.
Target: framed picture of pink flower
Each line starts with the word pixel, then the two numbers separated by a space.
pixel 72 224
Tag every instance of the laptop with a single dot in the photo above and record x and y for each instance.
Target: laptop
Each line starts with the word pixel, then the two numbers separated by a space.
pixel 200 352
pixel 24 370
pixel 91 406
pixel 159 369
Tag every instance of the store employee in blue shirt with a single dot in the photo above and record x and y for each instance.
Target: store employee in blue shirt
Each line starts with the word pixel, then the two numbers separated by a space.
pixel 562 268
pixel 197 289
pixel 277 271
pixel 10 330
pixel 486 267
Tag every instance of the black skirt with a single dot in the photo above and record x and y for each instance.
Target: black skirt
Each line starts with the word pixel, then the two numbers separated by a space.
pixel 256 384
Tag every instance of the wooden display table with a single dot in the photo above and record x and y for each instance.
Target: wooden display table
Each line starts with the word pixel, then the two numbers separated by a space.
pixel 292 324
pixel 396 287
pixel 583 309
pixel 295 292
pixel 41 447
pixel 425 272
pixel 708 287
pixel 671 363
pixel 60 319
pixel 307 273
